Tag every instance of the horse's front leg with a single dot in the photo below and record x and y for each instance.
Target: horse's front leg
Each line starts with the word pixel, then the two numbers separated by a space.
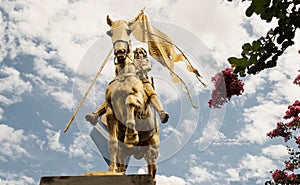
pixel 131 135
pixel 112 142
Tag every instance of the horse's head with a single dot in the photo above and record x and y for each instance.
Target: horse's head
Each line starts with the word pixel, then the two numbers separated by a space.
pixel 120 35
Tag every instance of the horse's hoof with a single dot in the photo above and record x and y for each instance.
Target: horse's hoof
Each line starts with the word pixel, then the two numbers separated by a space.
pixel 154 181
pixel 121 170
pixel 112 170
pixel 92 118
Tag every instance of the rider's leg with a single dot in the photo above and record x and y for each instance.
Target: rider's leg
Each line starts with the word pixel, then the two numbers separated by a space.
pixel 93 117
pixel 156 103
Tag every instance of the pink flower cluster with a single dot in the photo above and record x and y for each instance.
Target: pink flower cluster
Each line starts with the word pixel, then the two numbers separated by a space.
pixel 284 130
pixel 280 130
pixel 293 110
pixel 298 140
pixel 297 79
pixel 226 85
pixel 289 166
pixel 283 177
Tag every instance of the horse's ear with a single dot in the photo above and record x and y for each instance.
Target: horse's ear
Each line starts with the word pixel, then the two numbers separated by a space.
pixel 130 23
pixel 109 33
pixel 108 20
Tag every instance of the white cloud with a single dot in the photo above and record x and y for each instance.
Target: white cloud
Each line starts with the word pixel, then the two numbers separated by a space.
pixel 64 98
pixel 261 119
pixel 253 84
pixel 233 174
pixel 53 141
pixel 3 51
pixel 217 24
pixel 51 80
pixel 80 147
pixel 260 27
pixel 50 29
pixel 1 113
pixel 11 143
pixel 10 100
pixel 169 130
pixel 171 180
pixel 32 47
pixel 221 139
pixel 49 72
pixel 47 123
pixel 286 71
pixel 255 167
pixel 9 178
pixel 211 131
pixel 166 90
pixel 12 86
pixel 277 152
pixel 199 175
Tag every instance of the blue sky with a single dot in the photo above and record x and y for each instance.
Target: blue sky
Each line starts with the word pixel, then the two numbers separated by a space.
pixel 50 50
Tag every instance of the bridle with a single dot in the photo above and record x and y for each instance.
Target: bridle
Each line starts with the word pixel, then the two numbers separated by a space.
pixel 123 41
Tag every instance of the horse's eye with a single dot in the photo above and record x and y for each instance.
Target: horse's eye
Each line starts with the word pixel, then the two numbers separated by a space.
pixel 109 33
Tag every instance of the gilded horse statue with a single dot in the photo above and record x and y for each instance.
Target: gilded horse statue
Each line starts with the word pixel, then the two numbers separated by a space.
pixel 131 124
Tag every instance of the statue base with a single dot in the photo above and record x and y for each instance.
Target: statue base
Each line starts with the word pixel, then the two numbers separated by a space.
pixel 98 178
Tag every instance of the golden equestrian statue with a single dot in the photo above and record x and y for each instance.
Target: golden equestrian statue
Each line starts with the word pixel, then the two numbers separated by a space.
pixel 132 126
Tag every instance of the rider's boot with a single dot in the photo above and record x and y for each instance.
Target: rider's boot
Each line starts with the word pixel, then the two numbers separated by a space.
pixel 163 115
pixel 93 117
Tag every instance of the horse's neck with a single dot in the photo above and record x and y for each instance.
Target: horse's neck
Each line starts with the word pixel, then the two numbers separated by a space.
pixel 125 67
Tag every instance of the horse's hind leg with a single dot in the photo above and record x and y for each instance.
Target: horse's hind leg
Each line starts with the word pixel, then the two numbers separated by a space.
pixel 122 156
pixel 112 142
pixel 131 135
pixel 152 171
pixel 152 155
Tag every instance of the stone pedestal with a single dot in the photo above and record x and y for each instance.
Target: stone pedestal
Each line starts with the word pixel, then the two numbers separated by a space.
pixel 98 180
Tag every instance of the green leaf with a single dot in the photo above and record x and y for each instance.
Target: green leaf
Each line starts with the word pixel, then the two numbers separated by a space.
pixel 256 45
pixel 269 46
pixel 258 6
pixel 240 71
pixel 247 47
pixel 267 15
pixel 244 62
pixel 280 39
pixel 267 3
pixel 250 11
pixel 286 44
pixel 253 59
pixel 272 63
pixel 233 61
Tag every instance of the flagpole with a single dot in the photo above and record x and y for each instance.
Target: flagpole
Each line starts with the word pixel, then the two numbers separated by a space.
pixel 88 90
